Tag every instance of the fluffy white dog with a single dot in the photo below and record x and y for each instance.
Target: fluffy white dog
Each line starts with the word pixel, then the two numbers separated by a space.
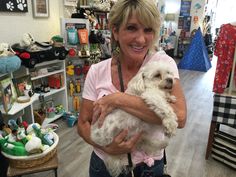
pixel 153 84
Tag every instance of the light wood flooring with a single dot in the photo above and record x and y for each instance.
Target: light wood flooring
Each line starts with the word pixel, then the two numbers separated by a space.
pixel 186 152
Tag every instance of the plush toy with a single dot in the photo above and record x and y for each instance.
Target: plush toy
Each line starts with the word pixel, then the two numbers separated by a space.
pixel 70 69
pixel 27 40
pixel 34 145
pixel 6 50
pixel 57 41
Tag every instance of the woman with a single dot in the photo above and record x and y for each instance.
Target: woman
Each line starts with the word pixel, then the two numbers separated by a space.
pixel 135 28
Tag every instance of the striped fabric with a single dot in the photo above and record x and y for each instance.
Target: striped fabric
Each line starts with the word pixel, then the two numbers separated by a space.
pixel 224 149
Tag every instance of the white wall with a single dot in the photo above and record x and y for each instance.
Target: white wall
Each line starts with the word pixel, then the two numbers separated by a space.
pixel 14 25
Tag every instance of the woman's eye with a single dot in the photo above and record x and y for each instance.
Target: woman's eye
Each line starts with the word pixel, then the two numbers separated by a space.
pixel 131 28
pixel 148 30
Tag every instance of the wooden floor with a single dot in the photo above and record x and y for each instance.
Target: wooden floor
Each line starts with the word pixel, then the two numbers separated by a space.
pixel 186 152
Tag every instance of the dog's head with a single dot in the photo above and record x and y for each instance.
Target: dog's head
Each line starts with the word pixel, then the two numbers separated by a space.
pixel 152 75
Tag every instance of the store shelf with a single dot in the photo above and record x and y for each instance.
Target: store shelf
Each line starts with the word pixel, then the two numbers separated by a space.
pixel 49 120
pixel 48 74
pixel 17 107
pixel 53 91
pixel 48 63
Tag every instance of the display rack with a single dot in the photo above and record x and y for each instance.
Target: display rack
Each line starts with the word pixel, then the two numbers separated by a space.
pixel 59 96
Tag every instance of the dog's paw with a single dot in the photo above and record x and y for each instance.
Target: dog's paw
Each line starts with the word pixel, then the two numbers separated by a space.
pixel 170 126
pixel 171 99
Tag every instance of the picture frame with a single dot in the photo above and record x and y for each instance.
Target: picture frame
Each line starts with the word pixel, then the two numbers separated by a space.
pixel 7 94
pixel 22 84
pixel 70 3
pixel 40 8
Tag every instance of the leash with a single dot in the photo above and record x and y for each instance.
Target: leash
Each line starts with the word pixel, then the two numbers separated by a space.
pixel 122 89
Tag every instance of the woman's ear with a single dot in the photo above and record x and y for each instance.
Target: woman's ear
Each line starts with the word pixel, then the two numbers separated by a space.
pixel 137 84
pixel 115 33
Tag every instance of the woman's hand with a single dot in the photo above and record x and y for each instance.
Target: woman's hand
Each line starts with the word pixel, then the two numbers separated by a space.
pixel 103 107
pixel 122 145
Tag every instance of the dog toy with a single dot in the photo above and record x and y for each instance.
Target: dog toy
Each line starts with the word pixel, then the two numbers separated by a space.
pixel 70 69
pixel 27 40
pixel 57 41
pixel 6 50
pixel 76 103
pixel 78 86
pixel 71 88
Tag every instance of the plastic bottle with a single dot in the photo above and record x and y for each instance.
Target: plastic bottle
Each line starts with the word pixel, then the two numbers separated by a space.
pixel 14 150
pixel 43 137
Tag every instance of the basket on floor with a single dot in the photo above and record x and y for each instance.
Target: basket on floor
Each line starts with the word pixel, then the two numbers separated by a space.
pixel 33 160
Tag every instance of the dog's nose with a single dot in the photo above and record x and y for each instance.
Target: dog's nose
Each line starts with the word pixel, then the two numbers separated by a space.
pixel 169 80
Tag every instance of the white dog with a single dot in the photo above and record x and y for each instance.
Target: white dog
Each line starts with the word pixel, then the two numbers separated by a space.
pixel 153 84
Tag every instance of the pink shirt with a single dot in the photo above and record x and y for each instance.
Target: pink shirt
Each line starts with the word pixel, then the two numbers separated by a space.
pixel 98 83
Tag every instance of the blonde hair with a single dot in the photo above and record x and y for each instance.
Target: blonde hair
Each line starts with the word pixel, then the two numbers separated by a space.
pixel 145 10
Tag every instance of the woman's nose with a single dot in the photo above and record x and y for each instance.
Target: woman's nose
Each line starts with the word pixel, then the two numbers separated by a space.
pixel 140 37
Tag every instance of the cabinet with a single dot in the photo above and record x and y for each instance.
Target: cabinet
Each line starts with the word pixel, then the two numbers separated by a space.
pixel 58 95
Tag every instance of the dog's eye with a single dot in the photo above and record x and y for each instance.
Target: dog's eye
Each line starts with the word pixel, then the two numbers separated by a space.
pixel 158 75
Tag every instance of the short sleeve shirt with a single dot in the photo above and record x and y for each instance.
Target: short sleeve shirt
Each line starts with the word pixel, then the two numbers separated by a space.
pixel 98 83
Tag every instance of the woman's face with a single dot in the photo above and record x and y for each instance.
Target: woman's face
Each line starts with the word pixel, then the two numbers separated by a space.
pixel 134 39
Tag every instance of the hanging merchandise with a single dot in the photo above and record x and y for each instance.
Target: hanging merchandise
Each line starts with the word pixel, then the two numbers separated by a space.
pixel 224 50
pixel 70 69
pixel 71 88
pixel 76 103
pixel 72 37
pixel 78 86
pixel 83 36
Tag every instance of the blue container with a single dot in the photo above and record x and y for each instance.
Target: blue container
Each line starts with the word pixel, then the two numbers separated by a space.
pixel 71 121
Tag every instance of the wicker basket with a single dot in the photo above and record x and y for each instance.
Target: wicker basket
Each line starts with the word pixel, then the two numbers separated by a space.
pixel 33 160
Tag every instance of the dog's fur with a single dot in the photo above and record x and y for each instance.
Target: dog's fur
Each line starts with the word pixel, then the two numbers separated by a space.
pixel 153 83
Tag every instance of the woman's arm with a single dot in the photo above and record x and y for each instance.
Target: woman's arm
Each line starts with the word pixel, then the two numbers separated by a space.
pixel 136 106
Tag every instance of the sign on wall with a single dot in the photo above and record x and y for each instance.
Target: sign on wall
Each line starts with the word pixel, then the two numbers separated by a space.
pixel 13 6
pixel 185 8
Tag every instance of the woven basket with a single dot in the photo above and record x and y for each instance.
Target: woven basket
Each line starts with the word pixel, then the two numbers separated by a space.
pixel 33 160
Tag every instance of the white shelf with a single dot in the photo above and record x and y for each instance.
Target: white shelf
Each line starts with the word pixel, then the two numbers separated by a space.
pixel 53 91
pixel 48 74
pixel 17 107
pixel 48 63
pixel 49 120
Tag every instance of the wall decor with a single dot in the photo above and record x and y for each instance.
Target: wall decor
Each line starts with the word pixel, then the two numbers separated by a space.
pixel 13 6
pixel 70 3
pixel 40 8
pixel 185 8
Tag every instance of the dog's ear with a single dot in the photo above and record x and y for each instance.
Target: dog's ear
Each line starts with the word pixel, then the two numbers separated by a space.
pixel 136 85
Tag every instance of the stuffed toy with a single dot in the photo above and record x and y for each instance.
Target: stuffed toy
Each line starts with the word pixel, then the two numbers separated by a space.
pixel 27 40
pixel 34 145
